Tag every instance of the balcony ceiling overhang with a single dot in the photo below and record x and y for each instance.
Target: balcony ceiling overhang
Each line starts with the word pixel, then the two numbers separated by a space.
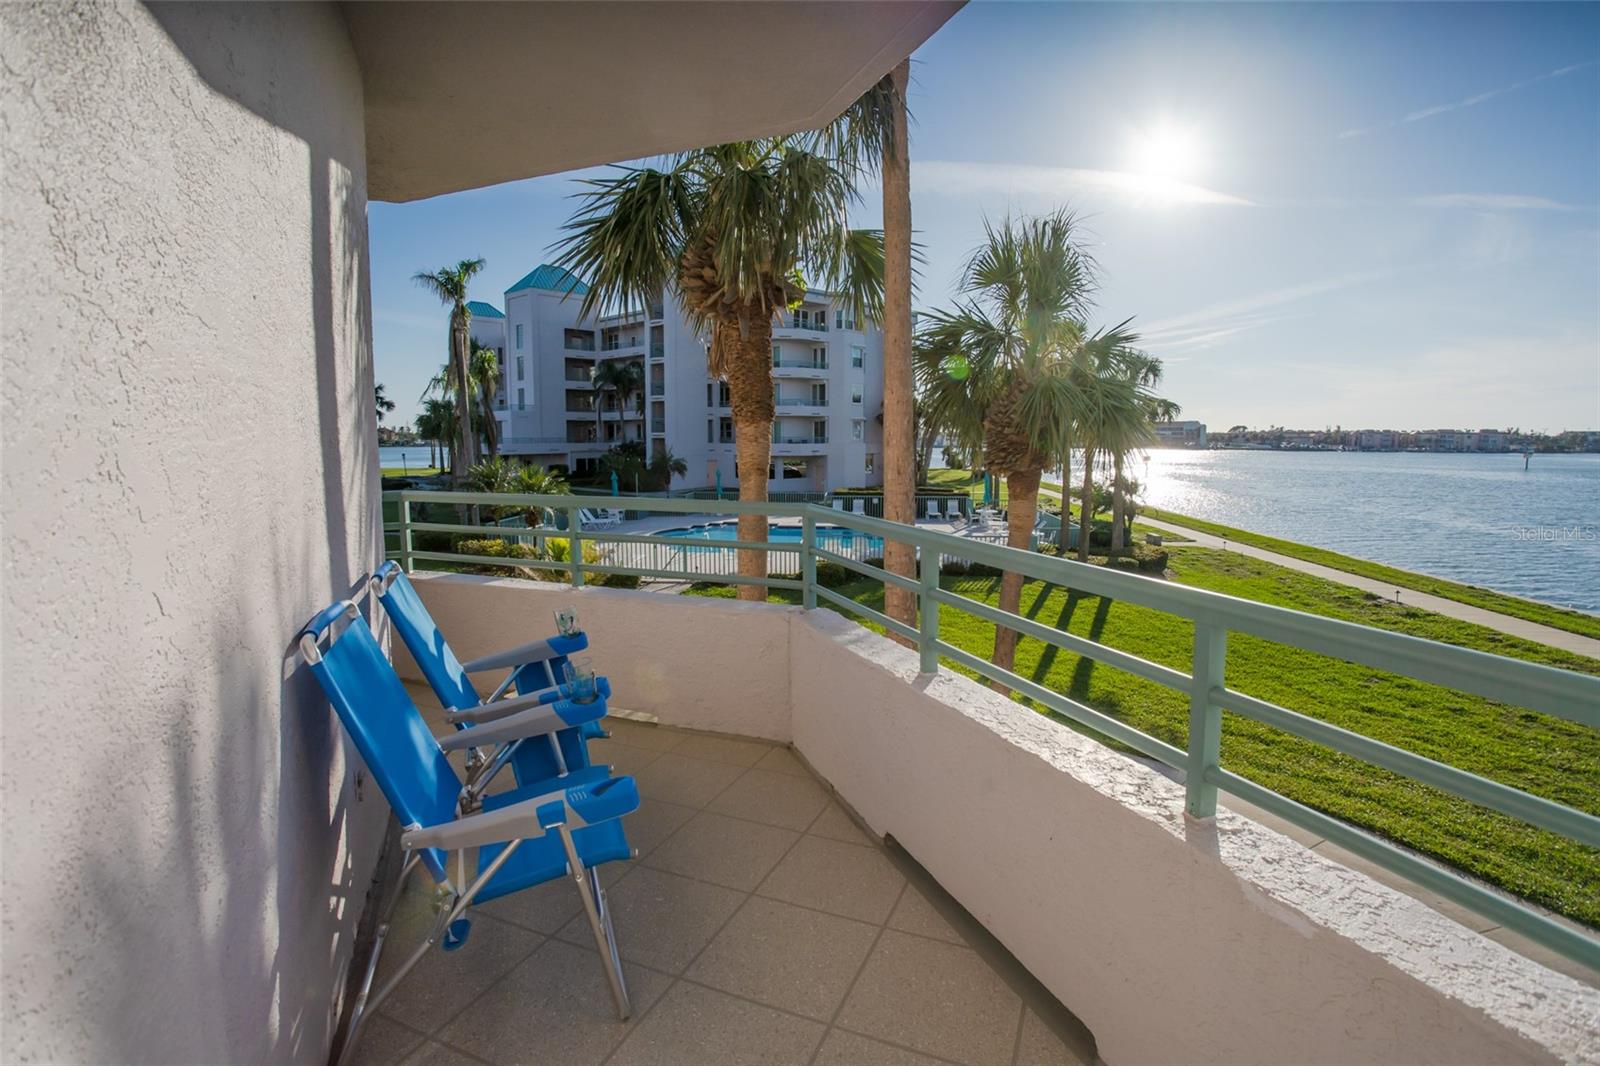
pixel 463 95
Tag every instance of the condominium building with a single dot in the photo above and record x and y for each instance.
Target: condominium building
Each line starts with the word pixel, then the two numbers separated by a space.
pixel 827 371
pixel 1187 434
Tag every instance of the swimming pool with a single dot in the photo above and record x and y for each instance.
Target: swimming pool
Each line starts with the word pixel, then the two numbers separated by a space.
pixel 834 538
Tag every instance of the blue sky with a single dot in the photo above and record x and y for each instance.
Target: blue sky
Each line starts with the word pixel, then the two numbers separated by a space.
pixel 1351 214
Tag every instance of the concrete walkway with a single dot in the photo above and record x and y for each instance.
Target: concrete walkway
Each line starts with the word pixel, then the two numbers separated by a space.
pixel 1504 623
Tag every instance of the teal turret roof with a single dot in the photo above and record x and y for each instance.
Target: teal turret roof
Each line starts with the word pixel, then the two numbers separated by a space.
pixel 480 309
pixel 552 278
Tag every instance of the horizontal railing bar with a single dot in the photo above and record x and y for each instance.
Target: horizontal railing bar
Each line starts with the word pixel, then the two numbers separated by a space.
pixel 1150 671
pixel 688 577
pixel 705 543
pixel 494 560
pixel 1547 814
pixel 1510 913
pixel 874 572
pixel 891 624
pixel 665 504
pixel 493 531
pixel 1561 693
pixel 1159 750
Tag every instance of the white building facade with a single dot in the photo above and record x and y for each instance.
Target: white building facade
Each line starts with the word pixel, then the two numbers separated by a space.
pixel 827 385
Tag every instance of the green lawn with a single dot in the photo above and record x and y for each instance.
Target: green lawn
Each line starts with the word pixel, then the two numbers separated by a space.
pixel 1546 756
pixel 415 471
pixel 1556 617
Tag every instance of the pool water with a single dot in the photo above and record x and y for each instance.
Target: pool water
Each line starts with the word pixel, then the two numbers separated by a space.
pixel 833 538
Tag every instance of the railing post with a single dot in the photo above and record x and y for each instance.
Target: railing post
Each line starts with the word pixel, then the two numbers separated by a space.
pixel 928 631
pixel 405 533
pixel 808 561
pixel 575 545
pixel 1205 717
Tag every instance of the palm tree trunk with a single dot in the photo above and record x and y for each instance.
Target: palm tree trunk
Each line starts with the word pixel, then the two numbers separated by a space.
pixel 1063 542
pixel 1086 503
pixel 750 382
pixel 1022 508
pixel 491 428
pixel 1116 504
pixel 899 421
pixel 465 452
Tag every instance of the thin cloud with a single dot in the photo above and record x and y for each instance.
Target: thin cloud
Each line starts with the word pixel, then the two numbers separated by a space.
pixel 1210 326
pixel 1469 101
pixel 1495 202
pixel 955 178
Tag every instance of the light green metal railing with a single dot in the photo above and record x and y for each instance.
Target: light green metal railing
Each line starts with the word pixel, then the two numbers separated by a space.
pixel 1561 693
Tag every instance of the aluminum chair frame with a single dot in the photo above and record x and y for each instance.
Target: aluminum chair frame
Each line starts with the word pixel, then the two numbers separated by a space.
pixel 560 811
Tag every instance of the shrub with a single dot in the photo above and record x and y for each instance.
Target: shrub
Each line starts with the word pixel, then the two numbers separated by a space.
pixel 953 568
pixel 501 548
pixel 831 575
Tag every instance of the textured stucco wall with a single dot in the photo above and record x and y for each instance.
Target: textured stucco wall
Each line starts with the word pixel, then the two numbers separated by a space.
pixel 188 474
pixel 1173 941
pixel 719 665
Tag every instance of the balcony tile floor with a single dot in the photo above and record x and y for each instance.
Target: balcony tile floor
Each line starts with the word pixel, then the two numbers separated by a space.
pixel 760 924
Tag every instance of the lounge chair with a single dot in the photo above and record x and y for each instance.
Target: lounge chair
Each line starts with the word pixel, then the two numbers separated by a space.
pixel 952 510
pixel 523 838
pixel 858 506
pixel 598 519
pixel 838 504
pixel 534 672
pixel 932 511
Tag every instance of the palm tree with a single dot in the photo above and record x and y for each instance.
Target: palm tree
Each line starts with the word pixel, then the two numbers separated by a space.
pixel 437 424
pixel 1116 420
pixel 1003 369
pixel 450 285
pixel 623 380
pixel 380 402
pixel 872 135
pixel 1146 371
pixel 484 372
pixel 663 467
pixel 500 474
pixel 739 231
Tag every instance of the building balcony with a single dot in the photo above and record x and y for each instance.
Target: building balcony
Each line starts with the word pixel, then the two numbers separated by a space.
pixel 845 848
pixel 658 388
pixel 800 445
pixel 658 351
pixel 658 426
pixel 798 408
pixel 578 349
pixel 792 328
pixel 798 369
pixel 578 381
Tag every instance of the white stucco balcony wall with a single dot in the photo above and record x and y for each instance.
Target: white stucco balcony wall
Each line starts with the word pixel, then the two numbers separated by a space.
pixel 1171 940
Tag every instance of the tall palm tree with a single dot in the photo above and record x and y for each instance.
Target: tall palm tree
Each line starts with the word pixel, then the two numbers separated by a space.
pixel 449 283
pixel 621 379
pixel 872 135
pixel 998 368
pixel 663 467
pixel 739 231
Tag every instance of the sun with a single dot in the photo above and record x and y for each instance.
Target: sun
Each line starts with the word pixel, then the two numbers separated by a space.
pixel 1167 150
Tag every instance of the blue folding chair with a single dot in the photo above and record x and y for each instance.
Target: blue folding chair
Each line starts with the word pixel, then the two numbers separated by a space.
pixel 534 672
pixel 523 837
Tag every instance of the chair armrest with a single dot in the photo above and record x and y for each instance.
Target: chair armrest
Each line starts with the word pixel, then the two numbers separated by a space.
pixel 535 721
pixel 493 712
pixel 526 819
pixel 534 652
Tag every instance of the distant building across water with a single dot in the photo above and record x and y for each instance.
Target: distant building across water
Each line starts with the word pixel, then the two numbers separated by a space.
pixel 1186 434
